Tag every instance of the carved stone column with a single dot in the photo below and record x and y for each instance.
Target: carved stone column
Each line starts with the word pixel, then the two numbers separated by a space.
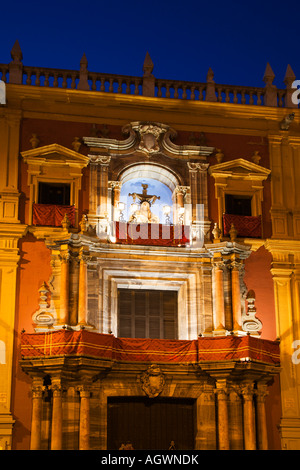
pixel 218 295
pixel 36 417
pixel 115 187
pixel 222 405
pixel 98 188
pixel 249 417
pixel 262 436
pixel 84 419
pixel 56 427
pixel 235 408
pixel 83 289
pixel 103 162
pixel 179 199
pixel 64 289
pixel 236 297
pixel 93 188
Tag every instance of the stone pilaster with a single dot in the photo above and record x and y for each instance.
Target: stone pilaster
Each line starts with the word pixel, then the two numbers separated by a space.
pixel 222 407
pixel 206 419
pixel 64 289
pixel 36 417
pixel 218 296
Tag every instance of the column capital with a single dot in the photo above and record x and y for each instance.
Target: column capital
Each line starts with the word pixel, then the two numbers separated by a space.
pixel 247 391
pixel 84 390
pixel 261 392
pixel 221 389
pixel 37 391
pixel 64 256
pixel 102 160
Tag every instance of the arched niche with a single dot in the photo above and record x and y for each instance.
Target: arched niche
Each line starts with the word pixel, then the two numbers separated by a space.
pixel 161 182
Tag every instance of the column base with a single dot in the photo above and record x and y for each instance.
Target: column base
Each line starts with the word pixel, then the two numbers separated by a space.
pixel 290 433
pixel 220 332
pixel 6 426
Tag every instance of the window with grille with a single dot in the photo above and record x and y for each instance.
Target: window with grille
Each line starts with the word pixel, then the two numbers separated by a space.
pixel 147 314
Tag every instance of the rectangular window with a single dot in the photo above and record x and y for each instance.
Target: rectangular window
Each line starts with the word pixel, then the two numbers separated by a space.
pixel 54 193
pixel 147 314
pixel 238 205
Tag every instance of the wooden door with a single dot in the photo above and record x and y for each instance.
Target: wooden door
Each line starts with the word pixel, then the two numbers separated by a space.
pixel 150 424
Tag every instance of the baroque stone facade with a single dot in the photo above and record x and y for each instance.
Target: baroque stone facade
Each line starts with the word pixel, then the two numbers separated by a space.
pixel 84 255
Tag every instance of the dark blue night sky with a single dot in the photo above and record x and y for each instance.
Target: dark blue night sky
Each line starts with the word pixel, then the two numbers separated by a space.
pixel 235 38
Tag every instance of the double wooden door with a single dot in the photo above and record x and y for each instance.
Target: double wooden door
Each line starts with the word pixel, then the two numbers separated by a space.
pixel 150 423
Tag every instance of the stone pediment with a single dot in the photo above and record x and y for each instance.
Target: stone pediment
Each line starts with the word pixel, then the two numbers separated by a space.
pixel 239 168
pixel 147 138
pixel 54 154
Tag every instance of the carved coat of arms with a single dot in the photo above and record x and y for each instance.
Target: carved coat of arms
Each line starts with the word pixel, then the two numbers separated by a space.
pixel 153 381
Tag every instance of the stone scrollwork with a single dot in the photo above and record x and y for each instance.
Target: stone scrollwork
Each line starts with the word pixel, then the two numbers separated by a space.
pixel 44 317
pixel 152 381
pixel 149 136
pixel 250 323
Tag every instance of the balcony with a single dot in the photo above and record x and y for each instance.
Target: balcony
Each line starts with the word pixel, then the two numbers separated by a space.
pixel 51 215
pixel 246 226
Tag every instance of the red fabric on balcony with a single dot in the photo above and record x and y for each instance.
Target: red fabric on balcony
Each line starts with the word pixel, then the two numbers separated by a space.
pixel 152 234
pixel 246 226
pixel 52 215
pixel 103 346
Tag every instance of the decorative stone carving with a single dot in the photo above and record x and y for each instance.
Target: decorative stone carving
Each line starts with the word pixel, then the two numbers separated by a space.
pixel 35 141
pixel 219 155
pixel 250 323
pixel 150 138
pixel 149 135
pixel 76 144
pixel 44 316
pixel 217 233
pixel 153 381
pixel 256 157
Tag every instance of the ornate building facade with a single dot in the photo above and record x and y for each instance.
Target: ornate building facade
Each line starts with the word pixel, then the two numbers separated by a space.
pixel 149 261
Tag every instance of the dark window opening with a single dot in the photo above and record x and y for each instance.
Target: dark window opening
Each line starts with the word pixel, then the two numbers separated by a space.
pixel 238 205
pixel 147 314
pixel 54 193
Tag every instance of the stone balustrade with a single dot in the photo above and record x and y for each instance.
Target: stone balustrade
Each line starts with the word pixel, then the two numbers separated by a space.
pixel 147 85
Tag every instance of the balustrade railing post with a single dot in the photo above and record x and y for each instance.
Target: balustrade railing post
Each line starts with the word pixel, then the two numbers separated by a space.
pixel 83 76
pixel 288 80
pixel 148 78
pixel 210 87
pixel 270 96
pixel 16 66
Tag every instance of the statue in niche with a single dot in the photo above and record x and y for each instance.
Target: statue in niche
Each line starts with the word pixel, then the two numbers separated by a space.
pixel 142 213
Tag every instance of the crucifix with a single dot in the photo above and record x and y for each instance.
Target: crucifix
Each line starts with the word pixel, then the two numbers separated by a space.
pixel 144 214
pixel 144 196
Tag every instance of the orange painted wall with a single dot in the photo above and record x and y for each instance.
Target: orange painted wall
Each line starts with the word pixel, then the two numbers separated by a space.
pixel 34 270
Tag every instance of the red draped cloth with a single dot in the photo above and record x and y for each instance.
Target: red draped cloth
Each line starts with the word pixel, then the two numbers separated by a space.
pixel 246 226
pixel 52 215
pixel 108 347
pixel 152 234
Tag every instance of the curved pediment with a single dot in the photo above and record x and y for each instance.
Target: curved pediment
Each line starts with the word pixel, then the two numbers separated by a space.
pixel 148 138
